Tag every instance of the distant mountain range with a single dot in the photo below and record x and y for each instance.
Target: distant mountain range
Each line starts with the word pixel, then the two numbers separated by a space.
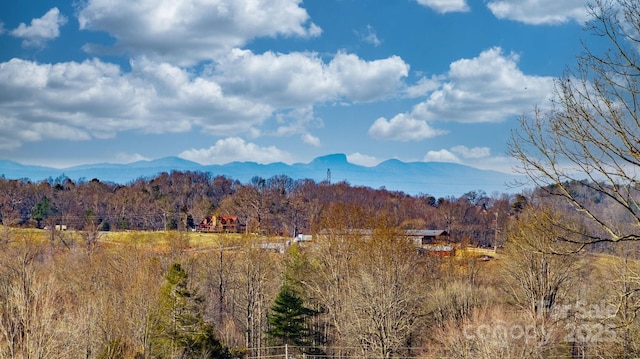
pixel 438 179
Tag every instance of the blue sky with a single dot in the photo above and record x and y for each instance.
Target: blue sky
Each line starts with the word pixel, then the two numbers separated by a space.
pixel 216 81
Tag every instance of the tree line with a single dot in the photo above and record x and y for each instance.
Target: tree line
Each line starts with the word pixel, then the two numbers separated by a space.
pixel 278 205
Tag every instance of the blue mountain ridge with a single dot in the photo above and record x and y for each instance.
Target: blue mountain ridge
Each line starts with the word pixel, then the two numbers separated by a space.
pixel 438 179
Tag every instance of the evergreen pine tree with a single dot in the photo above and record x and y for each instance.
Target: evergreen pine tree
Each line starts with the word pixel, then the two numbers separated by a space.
pixel 289 321
pixel 41 211
pixel 180 330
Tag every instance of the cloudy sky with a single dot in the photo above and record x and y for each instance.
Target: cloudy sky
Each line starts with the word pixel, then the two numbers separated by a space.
pixel 216 81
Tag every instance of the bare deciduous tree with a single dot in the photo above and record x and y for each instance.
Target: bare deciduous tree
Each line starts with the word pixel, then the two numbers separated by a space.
pixel 255 287
pixel 592 132
pixel 370 285
pixel 541 271
pixel 30 325
pixel 385 296
pixel 539 267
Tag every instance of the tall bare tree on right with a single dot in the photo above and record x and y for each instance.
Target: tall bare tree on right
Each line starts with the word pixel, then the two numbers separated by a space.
pixel 589 142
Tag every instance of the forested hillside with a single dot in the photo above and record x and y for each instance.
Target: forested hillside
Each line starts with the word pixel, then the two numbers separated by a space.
pixel 128 279
pixel 275 206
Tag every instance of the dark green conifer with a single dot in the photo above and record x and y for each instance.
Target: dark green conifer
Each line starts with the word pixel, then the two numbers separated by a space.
pixel 289 322
pixel 180 330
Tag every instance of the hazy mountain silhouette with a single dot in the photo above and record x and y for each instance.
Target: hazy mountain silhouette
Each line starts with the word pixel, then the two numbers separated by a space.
pixel 434 178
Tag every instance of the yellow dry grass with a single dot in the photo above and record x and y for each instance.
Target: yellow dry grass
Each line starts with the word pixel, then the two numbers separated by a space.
pixel 152 240
pixel 475 252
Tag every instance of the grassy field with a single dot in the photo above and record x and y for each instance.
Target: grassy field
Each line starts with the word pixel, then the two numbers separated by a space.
pixel 155 240
pixel 477 253
pixel 188 239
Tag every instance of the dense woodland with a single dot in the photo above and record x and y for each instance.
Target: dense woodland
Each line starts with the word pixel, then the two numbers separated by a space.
pixel 275 206
pixel 129 280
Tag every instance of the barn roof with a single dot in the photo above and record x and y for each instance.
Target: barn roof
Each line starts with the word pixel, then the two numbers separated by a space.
pixel 426 232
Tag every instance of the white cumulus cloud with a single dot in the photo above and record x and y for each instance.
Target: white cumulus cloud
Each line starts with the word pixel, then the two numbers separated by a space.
pixel 300 79
pixel 441 156
pixel 402 128
pixel 41 29
pixel 310 139
pixel 445 6
pixel 472 153
pixel 363 160
pixel 487 88
pixel 235 96
pixel 182 100
pixel 362 81
pixel 423 87
pixel 537 12
pixel 236 149
pixel 189 31
pixel 123 157
pixel 369 36
pixel 479 157
pixel 96 99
